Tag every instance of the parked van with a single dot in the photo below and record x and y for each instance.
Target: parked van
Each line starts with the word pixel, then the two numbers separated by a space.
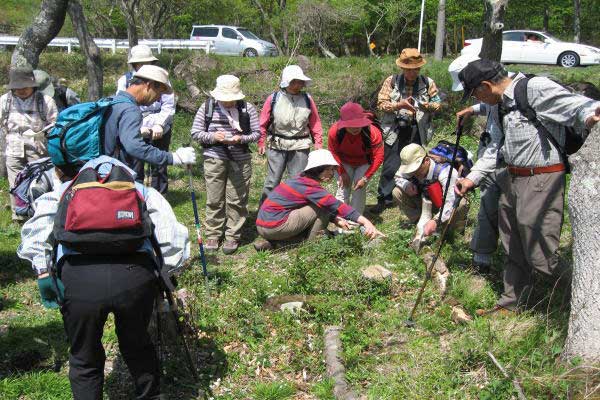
pixel 233 40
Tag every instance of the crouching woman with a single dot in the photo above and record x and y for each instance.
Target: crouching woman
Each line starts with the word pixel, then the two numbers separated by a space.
pixel 300 208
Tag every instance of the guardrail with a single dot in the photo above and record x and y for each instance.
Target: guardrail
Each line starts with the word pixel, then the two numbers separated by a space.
pixel 114 44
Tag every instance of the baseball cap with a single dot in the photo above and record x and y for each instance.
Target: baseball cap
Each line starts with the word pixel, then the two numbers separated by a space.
pixel 476 72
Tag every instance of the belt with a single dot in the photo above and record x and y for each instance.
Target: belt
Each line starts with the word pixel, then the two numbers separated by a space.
pixel 520 171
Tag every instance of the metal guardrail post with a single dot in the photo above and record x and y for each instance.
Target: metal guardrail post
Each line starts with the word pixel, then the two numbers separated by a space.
pixel 159 48
pixel 114 46
pixel 69 47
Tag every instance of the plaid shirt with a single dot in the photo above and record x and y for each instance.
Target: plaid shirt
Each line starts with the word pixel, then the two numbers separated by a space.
pixel 24 114
pixel 385 102
pixel 37 240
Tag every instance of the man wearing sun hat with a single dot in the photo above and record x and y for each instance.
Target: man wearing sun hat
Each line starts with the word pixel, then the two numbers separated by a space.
pixel 356 144
pixel 24 113
pixel 225 124
pixel 157 117
pixel 407 101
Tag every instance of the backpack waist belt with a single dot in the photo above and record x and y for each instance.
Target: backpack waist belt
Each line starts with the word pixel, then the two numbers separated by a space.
pixel 290 137
pixel 520 171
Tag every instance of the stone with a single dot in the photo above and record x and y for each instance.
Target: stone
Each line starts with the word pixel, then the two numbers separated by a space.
pixel 459 315
pixel 377 273
pixel 292 306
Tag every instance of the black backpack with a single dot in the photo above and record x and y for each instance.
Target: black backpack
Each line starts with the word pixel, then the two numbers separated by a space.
pixel 573 140
pixel 33 181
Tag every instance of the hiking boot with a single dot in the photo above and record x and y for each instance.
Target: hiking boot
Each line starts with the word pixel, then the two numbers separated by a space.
pixel 211 245
pixel 495 311
pixel 230 246
pixel 378 208
pixel 263 245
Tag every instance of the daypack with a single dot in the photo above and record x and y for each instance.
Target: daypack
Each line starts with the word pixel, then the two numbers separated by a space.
pixel 443 151
pixel 271 117
pixel 33 181
pixel 79 130
pixel 365 134
pixel 102 215
pixel 244 119
pixel 573 140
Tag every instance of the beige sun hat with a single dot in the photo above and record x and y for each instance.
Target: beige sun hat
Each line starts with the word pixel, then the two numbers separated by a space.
pixel 156 74
pixel 228 89
pixel 411 158
pixel 320 157
pixel 141 54
pixel 292 72
pixel 410 59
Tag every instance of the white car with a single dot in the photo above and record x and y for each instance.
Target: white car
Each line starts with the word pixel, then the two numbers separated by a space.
pixel 233 40
pixel 533 47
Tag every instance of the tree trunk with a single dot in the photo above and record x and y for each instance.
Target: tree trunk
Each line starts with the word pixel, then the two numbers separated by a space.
pixel 546 21
pixel 264 17
pixel 326 52
pixel 42 30
pixel 491 48
pixel 89 48
pixel 130 9
pixel 440 31
pixel 577 20
pixel 583 337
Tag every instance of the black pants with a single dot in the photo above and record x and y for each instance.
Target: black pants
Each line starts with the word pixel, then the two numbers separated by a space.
pixel 160 178
pixel 391 162
pixel 93 289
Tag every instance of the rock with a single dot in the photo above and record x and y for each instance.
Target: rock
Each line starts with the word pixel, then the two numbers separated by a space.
pixel 304 63
pixel 377 273
pixel 460 316
pixel 274 303
pixel 292 306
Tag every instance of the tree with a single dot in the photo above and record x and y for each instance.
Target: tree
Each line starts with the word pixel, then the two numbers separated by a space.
pixel 583 337
pixel 491 47
pixel 577 20
pixel 130 10
pixel 440 32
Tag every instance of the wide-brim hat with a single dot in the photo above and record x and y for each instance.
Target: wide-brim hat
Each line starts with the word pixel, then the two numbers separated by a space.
pixel 20 78
pixel 156 74
pixel 141 54
pixel 228 89
pixel 321 157
pixel 352 115
pixel 410 59
pixel 293 72
pixel 411 157
pixel 44 82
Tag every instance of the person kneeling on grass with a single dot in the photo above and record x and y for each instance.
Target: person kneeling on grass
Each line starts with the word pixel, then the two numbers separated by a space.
pixel 300 208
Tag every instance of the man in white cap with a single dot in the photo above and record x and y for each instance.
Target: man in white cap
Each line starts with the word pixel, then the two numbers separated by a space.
pixel 157 117
pixel 225 124
pixel 289 122
pixel 122 137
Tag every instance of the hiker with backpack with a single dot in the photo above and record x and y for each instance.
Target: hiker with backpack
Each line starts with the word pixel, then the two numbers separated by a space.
pixel 157 118
pixel 225 125
pixel 289 122
pixel 421 176
pixel 100 243
pixel 25 112
pixel 63 96
pixel 408 101
pixel 540 119
pixel 356 144
pixel 301 208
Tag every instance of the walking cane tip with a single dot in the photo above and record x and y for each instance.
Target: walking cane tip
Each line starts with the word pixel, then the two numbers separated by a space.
pixel 409 323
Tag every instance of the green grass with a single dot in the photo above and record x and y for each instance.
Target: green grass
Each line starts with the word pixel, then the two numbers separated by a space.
pixel 246 351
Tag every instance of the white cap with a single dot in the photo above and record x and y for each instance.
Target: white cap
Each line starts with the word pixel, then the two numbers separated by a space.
pixel 141 54
pixel 411 158
pixel 458 65
pixel 292 72
pixel 227 89
pixel 156 74
pixel 320 157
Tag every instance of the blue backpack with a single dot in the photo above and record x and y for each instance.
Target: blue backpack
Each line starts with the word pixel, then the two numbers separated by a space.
pixel 79 130
pixel 442 153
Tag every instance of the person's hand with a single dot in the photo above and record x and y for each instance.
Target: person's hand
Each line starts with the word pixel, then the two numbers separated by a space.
pixel 463 185
pixel 48 291
pixel 370 231
pixel 341 223
pixel 236 139
pixel 429 227
pixel 405 104
pixel 465 113
pixel 345 179
pixel 593 120
pixel 145 132
pixel 262 149
pixel 219 136
pixel 157 132
pixel 184 155
pixel 411 189
pixel 360 183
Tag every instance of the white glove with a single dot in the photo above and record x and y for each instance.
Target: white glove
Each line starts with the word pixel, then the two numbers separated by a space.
pixel 34 135
pixel 184 155
pixel 157 132
pixel 145 132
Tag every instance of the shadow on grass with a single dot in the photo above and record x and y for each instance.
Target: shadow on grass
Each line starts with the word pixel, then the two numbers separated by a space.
pixel 13 268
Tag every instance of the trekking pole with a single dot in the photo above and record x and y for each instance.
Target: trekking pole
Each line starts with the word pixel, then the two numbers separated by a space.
pixel 198 234
pixel 148 175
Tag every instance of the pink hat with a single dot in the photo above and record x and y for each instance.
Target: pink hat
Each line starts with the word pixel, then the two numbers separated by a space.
pixel 352 115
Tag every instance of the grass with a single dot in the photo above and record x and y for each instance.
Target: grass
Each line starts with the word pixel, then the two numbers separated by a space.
pixel 245 350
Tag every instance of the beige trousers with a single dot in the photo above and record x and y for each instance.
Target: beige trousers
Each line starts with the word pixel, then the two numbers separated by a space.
pixel 302 223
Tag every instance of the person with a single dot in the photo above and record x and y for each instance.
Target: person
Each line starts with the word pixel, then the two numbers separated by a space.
pixel 420 176
pixel 24 114
pixel 408 101
pixel 533 38
pixel 300 208
pixel 123 123
pixel 289 121
pixel 531 172
pixel 225 135
pixel 89 286
pixel 484 242
pixel 157 118
pixel 63 96
pixel 356 144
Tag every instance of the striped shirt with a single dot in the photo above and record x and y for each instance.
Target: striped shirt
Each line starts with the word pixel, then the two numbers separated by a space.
pixel 220 123
pixel 298 192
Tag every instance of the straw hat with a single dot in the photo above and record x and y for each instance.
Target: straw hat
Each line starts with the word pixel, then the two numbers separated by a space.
pixel 20 78
pixel 410 59
pixel 156 74
pixel 319 158
pixel 411 157
pixel 227 89
pixel 141 54
pixel 352 115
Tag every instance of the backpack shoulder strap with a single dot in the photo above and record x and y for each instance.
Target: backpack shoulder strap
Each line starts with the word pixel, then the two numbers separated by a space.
pixel 128 76
pixel 273 102
pixel 41 106
pixel 209 108
pixel 425 81
pixel 437 170
pixel 6 111
pixel 307 100
pixel 340 135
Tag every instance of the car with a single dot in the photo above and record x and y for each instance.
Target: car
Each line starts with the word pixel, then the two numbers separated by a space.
pixel 233 40
pixel 533 47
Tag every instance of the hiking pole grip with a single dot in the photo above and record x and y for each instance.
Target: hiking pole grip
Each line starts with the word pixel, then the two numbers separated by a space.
pixel 198 234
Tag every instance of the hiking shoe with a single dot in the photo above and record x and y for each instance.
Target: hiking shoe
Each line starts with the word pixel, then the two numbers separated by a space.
pixel 263 245
pixel 211 245
pixel 495 311
pixel 230 246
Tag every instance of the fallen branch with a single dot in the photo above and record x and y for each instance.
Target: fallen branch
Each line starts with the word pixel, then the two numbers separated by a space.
pixel 515 382
pixel 335 368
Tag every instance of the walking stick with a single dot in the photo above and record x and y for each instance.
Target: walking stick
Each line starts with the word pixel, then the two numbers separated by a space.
pixel 199 236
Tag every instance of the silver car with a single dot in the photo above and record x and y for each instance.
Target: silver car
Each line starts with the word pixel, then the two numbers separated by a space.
pixel 233 40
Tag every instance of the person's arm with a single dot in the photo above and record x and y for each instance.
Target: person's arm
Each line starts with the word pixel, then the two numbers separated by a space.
pixel 164 117
pixel 384 101
pixel 314 124
pixel 447 173
pixel 131 140
pixel 376 151
pixel 254 126
pixel 320 197
pixel 264 120
pixel 435 102
pixel 51 110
